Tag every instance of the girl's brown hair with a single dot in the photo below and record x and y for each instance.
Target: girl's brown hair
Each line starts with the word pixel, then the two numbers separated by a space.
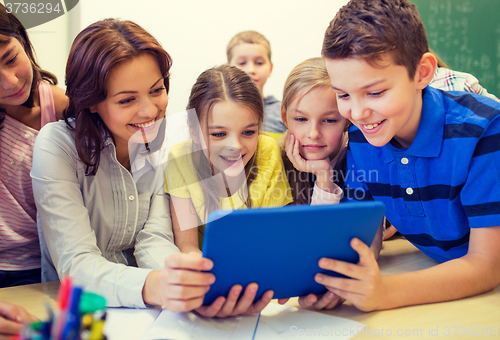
pixel 219 84
pixel 11 27
pixel 94 53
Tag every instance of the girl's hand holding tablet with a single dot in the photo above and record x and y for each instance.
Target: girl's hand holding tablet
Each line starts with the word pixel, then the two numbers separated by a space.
pixel 183 285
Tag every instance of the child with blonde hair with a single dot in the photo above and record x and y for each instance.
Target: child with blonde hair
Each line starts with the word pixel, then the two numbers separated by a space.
pixel 314 149
pixel 315 146
pixel 251 52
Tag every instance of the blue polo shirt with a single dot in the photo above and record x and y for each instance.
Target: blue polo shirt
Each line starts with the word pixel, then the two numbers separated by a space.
pixel 445 183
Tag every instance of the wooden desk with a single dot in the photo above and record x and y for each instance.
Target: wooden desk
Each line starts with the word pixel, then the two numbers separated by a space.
pixel 414 322
pixel 32 297
pixel 431 321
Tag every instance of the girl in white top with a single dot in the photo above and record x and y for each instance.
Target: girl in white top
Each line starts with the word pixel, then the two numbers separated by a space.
pixel 28 100
pixel 316 143
pixel 315 149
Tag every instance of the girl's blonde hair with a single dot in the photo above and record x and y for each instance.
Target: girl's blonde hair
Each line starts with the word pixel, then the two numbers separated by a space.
pixel 304 77
pixel 307 75
pixel 219 84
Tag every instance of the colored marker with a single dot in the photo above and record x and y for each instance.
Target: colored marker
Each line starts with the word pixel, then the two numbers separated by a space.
pixel 91 303
pixel 62 302
pixel 71 327
pixel 97 326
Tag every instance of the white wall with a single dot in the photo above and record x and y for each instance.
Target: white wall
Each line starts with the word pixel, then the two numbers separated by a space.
pixel 196 32
pixel 52 42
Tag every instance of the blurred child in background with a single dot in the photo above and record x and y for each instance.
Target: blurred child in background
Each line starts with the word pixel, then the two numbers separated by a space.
pixel 251 52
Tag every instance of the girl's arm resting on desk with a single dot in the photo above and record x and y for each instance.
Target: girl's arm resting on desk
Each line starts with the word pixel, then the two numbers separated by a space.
pixel 185 224
pixel 12 318
pixel 320 196
pixel 475 273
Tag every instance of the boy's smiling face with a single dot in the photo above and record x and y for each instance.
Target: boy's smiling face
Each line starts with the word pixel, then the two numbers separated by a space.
pixel 381 100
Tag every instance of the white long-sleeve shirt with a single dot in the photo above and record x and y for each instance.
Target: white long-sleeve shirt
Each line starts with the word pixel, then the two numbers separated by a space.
pixel 320 196
pixel 106 231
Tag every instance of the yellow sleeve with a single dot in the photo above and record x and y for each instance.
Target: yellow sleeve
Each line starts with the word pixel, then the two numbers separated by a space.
pixel 270 187
pixel 181 179
pixel 175 180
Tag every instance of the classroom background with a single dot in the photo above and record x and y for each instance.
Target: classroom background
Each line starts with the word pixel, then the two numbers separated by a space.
pixel 195 33
pixel 466 33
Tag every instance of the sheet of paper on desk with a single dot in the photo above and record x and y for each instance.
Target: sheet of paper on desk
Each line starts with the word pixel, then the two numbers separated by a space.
pixel 283 322
pixel 184 326
pixel 128 323
pixel 275 322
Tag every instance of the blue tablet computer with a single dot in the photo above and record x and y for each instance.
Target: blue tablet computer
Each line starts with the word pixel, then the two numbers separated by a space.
pixel 279 248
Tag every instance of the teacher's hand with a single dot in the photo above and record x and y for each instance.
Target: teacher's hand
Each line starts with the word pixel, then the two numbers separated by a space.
pixel 182 284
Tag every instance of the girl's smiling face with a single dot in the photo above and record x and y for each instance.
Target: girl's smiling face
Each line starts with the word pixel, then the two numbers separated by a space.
pixel 16 72
pixel 232 132
pixel 316 123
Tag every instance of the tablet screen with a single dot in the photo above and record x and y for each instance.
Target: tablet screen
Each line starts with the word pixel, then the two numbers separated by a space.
pixel 279 248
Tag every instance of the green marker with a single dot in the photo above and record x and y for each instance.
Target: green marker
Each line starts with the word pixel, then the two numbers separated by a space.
pixel 91 303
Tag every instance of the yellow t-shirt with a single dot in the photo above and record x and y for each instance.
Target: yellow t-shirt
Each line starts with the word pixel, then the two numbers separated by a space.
pixel 270 187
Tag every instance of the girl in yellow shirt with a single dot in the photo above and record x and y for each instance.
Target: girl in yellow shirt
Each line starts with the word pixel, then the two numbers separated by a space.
pixel 227 164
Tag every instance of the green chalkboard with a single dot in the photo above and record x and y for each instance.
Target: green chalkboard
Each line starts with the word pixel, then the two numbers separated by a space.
pixel 466 35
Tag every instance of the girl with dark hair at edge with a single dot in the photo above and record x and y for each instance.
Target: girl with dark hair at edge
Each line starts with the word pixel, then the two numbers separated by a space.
pixel 29 99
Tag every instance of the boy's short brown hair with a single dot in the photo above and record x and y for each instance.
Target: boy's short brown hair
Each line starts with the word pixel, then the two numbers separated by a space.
pixel 368 28
pixel 249 37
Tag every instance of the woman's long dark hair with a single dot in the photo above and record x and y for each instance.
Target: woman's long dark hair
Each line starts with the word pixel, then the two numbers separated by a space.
pixel 11 27
pixel 95 51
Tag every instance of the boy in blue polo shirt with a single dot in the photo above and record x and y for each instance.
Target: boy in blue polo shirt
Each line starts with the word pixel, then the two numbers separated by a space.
pixel 432 157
